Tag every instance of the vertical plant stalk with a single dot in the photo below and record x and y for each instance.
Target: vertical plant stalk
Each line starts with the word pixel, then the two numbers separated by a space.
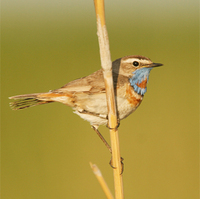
pixel 101 180
pixel 106 64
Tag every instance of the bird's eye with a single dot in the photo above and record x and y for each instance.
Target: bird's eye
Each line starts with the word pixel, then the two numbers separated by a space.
pixel 135 63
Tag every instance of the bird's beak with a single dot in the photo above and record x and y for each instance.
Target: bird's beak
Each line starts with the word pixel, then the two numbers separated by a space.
pixel 154 65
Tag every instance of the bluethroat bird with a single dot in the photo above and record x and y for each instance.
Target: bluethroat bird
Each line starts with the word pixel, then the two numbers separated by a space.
pixel 87 95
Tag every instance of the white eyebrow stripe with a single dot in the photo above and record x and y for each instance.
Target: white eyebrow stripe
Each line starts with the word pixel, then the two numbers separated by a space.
pixel 131 60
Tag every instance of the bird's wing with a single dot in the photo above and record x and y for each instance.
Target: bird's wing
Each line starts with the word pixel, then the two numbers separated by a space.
pixel 92 83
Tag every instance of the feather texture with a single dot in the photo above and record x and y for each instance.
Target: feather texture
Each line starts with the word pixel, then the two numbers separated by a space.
pixel 25 101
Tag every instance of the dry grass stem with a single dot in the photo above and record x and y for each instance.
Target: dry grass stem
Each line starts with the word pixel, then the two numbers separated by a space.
pixel 101 180
pixel 106 64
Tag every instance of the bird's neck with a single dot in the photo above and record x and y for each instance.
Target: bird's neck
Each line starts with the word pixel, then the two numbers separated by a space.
pixel 139 80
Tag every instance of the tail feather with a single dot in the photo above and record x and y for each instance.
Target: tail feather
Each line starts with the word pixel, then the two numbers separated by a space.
pixel 25 101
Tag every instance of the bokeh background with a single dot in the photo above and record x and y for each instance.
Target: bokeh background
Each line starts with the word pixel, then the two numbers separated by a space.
pixel 46 150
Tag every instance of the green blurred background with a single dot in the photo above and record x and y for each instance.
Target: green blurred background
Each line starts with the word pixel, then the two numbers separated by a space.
pixel 46 150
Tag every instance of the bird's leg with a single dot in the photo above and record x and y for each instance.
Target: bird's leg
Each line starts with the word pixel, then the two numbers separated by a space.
pixel 109 148
pixel 103 139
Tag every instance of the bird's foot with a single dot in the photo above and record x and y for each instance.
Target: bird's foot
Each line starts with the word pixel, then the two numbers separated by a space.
pixel 122 165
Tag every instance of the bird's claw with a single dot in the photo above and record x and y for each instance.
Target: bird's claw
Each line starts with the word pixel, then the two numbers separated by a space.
pixel 122 165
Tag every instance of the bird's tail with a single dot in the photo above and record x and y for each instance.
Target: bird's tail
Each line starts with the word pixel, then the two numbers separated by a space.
pixel 27 100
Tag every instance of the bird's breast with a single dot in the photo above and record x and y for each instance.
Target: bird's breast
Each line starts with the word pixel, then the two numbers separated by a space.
pixel 127 100
pixel 132 97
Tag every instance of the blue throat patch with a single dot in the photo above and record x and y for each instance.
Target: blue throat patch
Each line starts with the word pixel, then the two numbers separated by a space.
pixel 139 76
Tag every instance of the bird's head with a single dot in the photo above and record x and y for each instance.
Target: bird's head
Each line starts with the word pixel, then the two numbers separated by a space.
pixel 137 68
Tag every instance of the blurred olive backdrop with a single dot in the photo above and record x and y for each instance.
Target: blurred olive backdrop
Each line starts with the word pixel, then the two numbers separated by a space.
pixel 46 149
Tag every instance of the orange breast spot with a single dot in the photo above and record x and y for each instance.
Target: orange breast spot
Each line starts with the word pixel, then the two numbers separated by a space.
pixel 131 96
pixel 143 84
